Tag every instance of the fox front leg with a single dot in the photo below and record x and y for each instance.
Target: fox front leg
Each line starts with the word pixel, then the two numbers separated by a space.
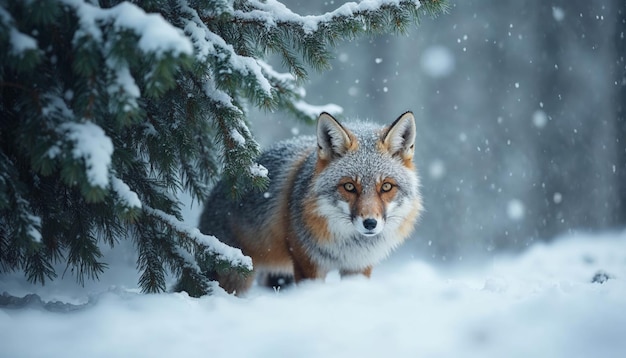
pixel 367 272
pixel 303 267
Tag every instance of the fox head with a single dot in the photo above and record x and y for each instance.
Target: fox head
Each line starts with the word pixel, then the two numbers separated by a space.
pixel 366 183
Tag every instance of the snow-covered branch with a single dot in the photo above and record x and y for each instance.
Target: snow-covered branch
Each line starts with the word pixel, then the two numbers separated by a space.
pixel 156 35
pixel 19 41
pixel 272 13
pixel 125 195
pixel 93 146
pixel 212 245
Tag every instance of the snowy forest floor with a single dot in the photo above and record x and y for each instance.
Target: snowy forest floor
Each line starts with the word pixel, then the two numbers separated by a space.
pixel 541 303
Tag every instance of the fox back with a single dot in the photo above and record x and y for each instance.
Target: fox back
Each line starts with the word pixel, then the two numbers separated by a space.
pixel 342 200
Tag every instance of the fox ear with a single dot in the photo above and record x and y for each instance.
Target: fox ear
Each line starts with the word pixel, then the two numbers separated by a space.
pixel 332 139
pixel 400 137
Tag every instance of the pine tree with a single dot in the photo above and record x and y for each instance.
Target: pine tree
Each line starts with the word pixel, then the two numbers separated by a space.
pixel 109 109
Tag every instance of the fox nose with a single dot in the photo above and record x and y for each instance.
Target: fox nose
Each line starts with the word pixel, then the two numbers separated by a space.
pixel 370 224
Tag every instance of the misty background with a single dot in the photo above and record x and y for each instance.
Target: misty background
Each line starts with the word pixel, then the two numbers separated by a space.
pixel 520 118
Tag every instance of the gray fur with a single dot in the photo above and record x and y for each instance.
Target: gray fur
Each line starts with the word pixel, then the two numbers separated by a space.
pixel 254 207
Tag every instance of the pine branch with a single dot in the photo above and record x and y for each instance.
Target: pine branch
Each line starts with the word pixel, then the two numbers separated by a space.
pixel 209 244
pixel 313 35
pixel 18 49
pixel 83 257
pixel 229 69
pixel 38 268
pixel 150 261
pixel 21 227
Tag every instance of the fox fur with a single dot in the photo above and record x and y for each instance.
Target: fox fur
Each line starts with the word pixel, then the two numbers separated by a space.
pixel 340 201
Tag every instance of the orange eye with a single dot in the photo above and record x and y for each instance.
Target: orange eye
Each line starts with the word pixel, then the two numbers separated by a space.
pixel 386 187
pixel 349 187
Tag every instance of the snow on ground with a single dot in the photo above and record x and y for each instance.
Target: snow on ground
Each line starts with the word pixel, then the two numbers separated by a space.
pixel 537 304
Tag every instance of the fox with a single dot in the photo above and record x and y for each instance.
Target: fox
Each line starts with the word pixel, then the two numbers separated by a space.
pixel 341 200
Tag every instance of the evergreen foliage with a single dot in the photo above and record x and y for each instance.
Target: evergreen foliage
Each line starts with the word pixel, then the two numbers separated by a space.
pixel 109 109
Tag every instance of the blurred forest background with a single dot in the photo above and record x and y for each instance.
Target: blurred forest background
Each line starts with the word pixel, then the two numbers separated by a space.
pixel 520 109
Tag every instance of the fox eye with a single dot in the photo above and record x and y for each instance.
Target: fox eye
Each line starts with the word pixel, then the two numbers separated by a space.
pixel 386 187
pixel 349 187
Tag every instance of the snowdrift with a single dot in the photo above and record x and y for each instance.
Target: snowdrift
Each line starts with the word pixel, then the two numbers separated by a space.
pixel 541 303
